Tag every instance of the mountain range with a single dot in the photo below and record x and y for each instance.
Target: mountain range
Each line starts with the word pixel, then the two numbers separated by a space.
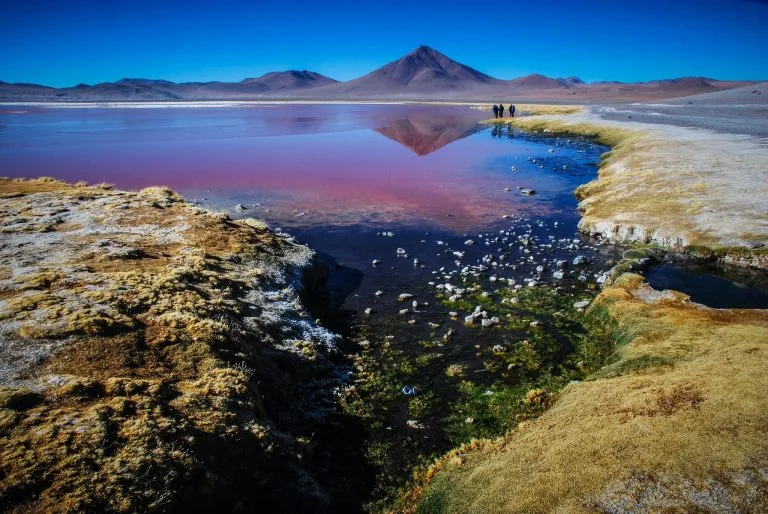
pixel 424 74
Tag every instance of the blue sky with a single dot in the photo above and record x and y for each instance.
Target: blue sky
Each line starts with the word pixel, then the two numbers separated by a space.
pixel 63 43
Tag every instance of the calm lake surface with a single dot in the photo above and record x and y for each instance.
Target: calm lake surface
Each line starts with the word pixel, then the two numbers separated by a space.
pixel 333 175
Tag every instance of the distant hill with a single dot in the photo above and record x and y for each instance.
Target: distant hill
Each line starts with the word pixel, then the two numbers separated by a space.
pixel 423 74
pixel 570 81
pixel 537 81
pixel 132 89
pixel 291 79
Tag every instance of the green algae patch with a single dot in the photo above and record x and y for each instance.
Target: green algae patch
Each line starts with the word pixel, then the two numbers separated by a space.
pixel 478 383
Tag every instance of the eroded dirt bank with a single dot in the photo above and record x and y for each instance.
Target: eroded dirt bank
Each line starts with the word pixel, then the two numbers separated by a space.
pixel 154 355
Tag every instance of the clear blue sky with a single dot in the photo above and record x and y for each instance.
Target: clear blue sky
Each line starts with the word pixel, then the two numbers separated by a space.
pixel 61 43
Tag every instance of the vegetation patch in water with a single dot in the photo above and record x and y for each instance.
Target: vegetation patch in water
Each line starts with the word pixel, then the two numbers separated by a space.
pixel 477 382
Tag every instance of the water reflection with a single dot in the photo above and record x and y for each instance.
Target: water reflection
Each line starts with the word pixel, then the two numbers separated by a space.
pixel 306 165
pixel 424 132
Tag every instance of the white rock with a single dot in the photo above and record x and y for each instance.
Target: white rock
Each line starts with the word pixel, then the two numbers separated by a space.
pixel 581 305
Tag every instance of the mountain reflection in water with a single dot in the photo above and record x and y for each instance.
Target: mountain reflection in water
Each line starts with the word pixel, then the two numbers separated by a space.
pixel 305 165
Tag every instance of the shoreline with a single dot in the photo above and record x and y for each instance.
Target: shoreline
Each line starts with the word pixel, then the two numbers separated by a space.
pixel 674 417
pixel 146 337
pixel 667 185
pixel 630 307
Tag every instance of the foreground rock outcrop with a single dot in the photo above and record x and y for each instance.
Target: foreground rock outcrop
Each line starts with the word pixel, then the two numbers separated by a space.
pixel 153 356
pixel 676 422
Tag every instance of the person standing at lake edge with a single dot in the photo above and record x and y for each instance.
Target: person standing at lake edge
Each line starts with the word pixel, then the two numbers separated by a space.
pixel 501 110
pixel 512 111
pixel 495 111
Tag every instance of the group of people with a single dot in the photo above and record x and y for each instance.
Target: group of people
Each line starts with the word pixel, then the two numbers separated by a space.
pixel 498 111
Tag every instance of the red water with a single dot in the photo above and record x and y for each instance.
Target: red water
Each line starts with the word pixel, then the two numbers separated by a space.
pixel 344 163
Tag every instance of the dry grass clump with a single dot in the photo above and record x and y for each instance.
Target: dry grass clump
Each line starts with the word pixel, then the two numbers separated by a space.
pixel 137 349
pixel 687 435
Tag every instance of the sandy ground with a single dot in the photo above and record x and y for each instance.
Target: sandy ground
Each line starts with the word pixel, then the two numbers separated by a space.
pixel 737 111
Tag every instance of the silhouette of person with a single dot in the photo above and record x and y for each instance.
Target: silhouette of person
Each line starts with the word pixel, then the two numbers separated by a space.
pixel 495 131
pixel 501 110
pixel 495 111
pixel 512 111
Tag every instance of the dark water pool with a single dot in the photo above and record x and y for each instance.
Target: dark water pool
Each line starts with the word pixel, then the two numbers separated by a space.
pixel 711 286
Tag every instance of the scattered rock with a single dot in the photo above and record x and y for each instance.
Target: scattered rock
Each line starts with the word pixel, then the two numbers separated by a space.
pixel 580 260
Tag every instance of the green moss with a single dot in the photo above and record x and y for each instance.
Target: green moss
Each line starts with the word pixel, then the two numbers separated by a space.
pixel 633 365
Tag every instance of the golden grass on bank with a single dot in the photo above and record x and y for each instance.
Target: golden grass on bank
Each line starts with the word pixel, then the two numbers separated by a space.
pixel 657 189
pixel 522 110
pixel 678 423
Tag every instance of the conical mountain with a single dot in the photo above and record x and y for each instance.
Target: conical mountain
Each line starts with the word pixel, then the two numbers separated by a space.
pixel 424 70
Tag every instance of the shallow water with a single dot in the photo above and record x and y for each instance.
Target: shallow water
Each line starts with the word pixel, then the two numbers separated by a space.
pixel 332 175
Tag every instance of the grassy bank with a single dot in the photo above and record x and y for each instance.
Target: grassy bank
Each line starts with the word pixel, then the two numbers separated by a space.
pixel 477 382
pixel 155 356
pixel 676 420
pixel 667 186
